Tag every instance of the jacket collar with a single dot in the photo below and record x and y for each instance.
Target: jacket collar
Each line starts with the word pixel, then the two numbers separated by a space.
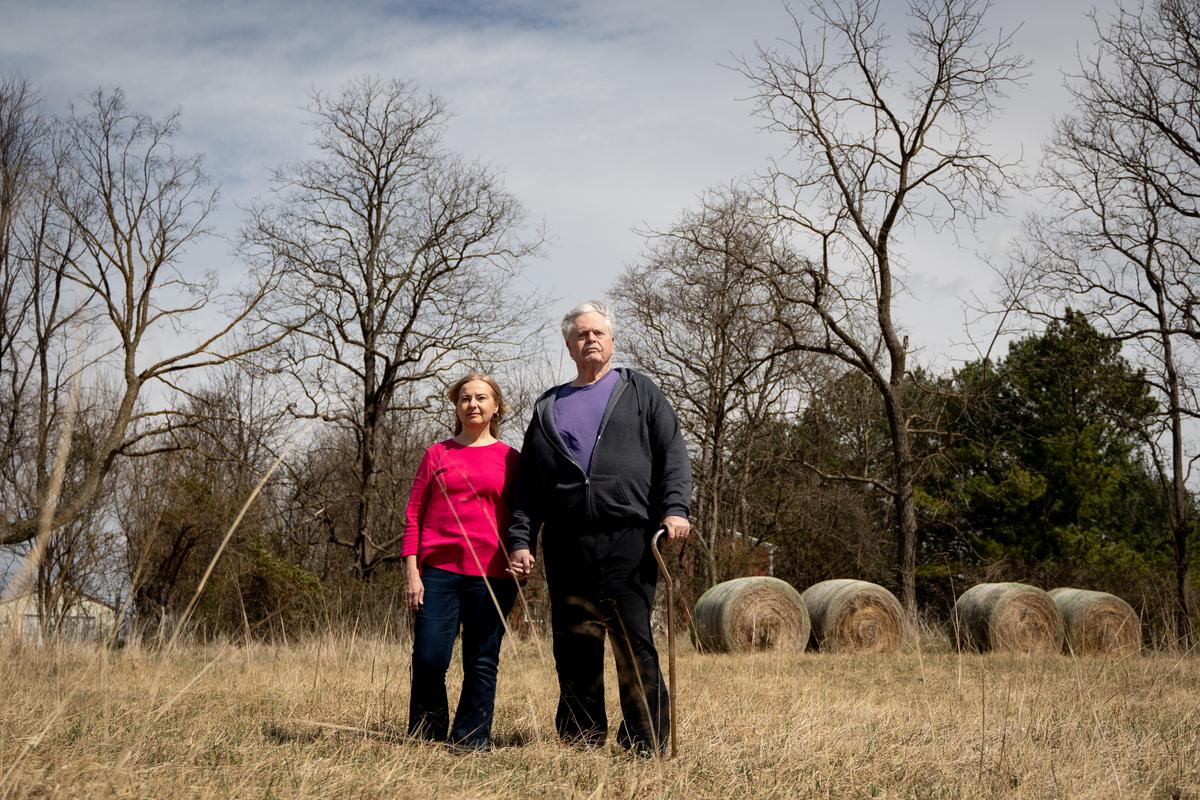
pixel 545 404
pixel 544 408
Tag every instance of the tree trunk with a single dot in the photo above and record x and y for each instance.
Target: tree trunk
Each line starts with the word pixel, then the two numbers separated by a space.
pixel 906 520
pixel 363 547
pixel 902 465
pixel 1177 506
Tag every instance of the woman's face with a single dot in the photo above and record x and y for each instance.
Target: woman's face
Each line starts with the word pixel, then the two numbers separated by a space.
pixel 476 404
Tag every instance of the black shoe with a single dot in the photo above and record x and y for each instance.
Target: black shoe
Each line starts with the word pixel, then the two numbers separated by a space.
pixel 639 746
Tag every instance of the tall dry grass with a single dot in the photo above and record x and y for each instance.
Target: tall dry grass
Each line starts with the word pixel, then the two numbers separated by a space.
pixel 325 719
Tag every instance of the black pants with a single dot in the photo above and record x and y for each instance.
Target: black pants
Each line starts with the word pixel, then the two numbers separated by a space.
pixel 603 582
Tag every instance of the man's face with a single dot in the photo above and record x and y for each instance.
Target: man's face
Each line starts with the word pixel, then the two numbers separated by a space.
pixel 591 341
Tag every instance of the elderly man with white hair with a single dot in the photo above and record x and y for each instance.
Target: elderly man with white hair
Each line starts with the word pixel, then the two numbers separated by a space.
pixel 603 467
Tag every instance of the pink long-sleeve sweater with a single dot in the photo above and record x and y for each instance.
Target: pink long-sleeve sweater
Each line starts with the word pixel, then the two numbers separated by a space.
pixel 458 509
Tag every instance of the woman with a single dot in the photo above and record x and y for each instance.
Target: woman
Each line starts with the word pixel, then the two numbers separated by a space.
pixel 456 570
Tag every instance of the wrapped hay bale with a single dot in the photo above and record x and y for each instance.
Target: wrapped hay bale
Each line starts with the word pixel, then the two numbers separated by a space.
pixel 1008 617
pixel 747 614
pixel 850 616
pixel 1098 623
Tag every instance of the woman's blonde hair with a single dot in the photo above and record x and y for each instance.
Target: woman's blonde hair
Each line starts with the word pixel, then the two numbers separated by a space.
pixel 502 408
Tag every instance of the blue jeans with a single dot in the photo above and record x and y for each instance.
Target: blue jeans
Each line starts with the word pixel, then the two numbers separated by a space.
pixel 450 600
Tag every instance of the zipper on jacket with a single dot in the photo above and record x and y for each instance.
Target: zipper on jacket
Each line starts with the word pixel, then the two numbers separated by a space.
pixel 555 440
pixel 555 443
pixel 608 412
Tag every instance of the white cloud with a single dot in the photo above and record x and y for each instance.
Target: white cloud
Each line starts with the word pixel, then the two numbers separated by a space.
pixel 603 116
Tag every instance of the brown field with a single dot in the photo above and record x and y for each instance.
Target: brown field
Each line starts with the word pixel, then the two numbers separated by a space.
pixel 261 721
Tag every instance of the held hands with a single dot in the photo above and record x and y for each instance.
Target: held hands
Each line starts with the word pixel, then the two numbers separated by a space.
pixel 520 564
pixel 677 527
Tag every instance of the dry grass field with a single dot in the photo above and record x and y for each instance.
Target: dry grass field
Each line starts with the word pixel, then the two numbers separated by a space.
pixel 325 720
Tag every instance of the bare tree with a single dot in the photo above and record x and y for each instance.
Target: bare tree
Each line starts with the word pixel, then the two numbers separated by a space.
pixel 875 151
pixel 78 563
pixel 1121 232
pixel 824 528
pixel 399 260
pixel 692 316
pixel 35 302
pixel 114 209
pixel 174 507
pixel 1145 79
pixel 22 140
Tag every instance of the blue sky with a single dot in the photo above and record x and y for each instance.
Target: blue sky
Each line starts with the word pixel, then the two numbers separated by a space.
pixel 603 117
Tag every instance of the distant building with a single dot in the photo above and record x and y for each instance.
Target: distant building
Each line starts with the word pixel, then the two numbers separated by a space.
pixel 88 619
pixel 757 556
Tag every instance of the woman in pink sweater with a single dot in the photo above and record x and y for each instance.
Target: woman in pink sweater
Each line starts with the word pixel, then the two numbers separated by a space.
pixel 456 567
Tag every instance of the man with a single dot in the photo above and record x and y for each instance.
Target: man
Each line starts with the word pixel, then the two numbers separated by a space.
pixel 603 466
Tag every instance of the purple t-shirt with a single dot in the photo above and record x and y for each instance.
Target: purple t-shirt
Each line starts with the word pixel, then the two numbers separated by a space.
pixel 578 411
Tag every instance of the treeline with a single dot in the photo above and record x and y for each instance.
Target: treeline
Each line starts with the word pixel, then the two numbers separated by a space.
pixel 1032 467
pixel 143 402
pixel 236 459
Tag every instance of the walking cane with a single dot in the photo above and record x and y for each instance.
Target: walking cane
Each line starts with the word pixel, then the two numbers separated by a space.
pixel 662 569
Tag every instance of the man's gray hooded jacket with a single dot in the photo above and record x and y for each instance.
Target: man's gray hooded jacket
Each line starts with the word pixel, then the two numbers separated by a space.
pixel 639 473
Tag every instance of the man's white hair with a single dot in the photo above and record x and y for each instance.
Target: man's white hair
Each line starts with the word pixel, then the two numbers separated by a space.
pixel 589 307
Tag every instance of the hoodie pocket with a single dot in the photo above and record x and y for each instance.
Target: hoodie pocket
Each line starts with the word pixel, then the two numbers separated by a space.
pixel 569 499
pixel 611 501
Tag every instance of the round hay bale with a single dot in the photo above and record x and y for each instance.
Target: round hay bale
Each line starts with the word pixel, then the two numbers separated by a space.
pixel 850 616
pixel 746 614
pixel 1098 623
pixel 1008 617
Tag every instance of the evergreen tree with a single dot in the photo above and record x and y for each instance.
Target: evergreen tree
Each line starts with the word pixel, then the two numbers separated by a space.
pixel 1044 466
